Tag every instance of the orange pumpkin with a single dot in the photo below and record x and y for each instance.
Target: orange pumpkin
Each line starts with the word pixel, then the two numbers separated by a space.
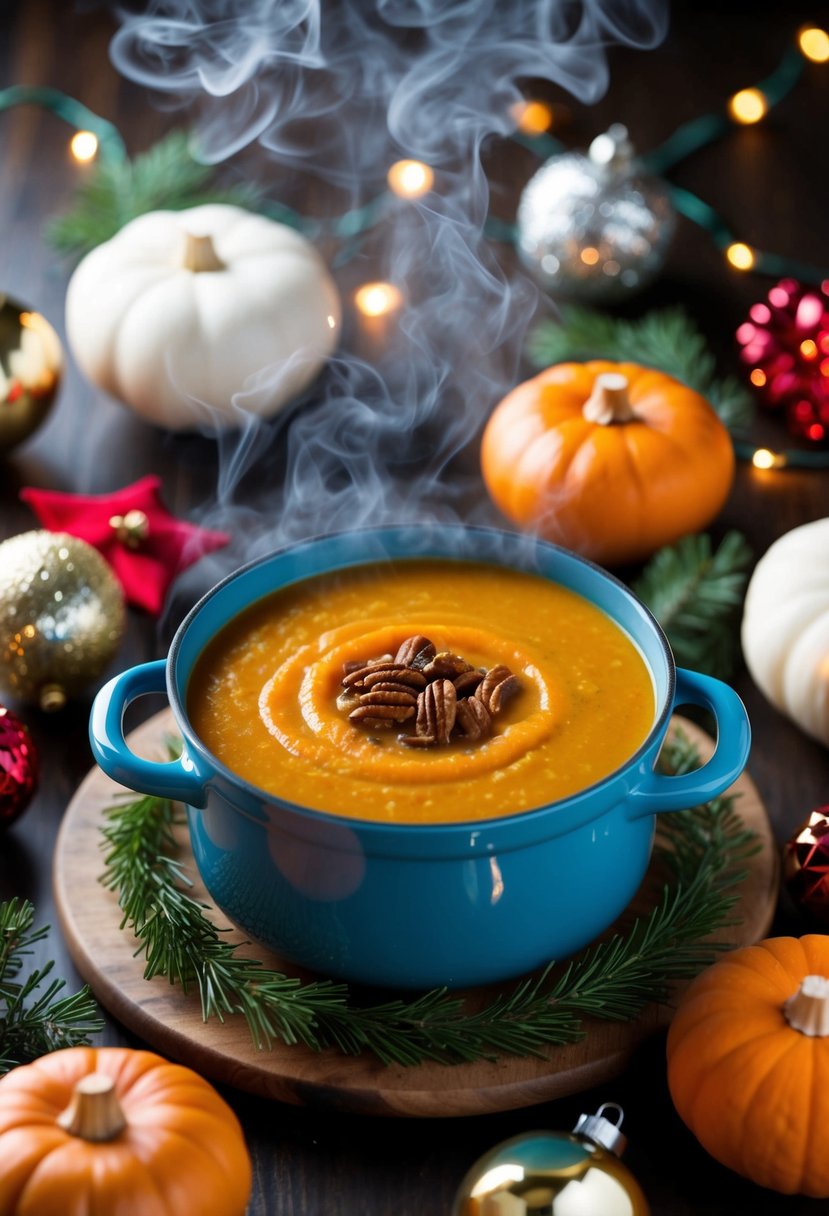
pixel 612 460
pixel 88 1132
pixel 748 1063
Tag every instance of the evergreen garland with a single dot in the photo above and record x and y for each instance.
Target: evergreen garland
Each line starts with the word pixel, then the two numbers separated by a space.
pixel 703 852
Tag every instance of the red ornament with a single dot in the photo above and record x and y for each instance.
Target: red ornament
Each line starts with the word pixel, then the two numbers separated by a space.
pixel 806 866
pixel 145 545
pixel 18 767
pixel 785 346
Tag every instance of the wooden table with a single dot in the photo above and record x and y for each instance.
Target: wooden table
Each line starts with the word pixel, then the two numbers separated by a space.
pixel 771 184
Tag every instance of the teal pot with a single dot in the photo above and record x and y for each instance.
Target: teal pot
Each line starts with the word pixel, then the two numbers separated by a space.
pixel 417 906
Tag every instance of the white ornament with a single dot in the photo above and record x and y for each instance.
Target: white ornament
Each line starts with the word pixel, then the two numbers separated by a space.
pixel 184 311
pixel 785 630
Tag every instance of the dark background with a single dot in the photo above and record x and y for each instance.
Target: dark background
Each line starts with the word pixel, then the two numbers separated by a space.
pixel 770 183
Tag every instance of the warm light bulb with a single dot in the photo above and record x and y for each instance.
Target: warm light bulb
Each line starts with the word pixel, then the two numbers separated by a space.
pixel 764 459
pixel 747 106
pixel 532 117
pixel 83 146
pixel 740 256
pixel 758 377
pixel 589 255
pixel 410 178
pixel 808 348
pixel 814 43
pixel 377 299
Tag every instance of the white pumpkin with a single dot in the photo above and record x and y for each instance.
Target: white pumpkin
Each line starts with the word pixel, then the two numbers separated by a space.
pixel 785 630
pixel 184 310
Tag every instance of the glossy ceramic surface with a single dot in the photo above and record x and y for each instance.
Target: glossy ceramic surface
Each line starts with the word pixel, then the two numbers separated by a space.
pixel 421 905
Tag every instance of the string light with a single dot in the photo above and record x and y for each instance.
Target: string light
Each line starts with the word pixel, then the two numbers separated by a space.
pixel 740 256
pixel 758 377
pixel 748 106
pixel 377 299
pixel 532 117
pixel 763 458
pixel 814 43
pixel 84 146
pixel 410 178
pixel 589 255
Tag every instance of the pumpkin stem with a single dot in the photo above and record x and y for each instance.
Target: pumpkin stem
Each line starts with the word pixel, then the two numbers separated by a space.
pixel 94 1112
pixel 609 401
pixel 808 1010
pixel 199 253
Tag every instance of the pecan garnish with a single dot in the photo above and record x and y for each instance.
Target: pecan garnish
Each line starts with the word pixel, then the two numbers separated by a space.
pixel 466 684
pixel 415 652
pixel 446 665
pixel 436 708
pixel 440 690
pixel 474 718
pixel 497 687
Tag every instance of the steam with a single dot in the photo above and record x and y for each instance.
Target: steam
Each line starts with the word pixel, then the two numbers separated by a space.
pixel 337 91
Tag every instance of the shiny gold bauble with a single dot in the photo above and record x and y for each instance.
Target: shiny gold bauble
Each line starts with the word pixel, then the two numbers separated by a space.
pixel 549 1174
pixel 61 616
pixel 31 362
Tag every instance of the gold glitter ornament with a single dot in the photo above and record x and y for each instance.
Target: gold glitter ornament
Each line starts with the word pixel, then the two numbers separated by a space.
pixel 555 1174
pixel 61 616
pixel 31 363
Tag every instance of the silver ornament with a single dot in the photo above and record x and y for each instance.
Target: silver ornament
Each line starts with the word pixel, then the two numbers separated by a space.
pixel 594 227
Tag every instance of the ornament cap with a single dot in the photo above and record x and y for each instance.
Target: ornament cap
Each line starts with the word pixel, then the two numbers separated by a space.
pixel 612 150
pixel 604 1131
pixel 51 698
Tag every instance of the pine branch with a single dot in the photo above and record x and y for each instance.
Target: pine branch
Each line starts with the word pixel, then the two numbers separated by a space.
pixel 667 339
pixel 166 177
pixel 703 851
pixel 696 596
pixel 34 1022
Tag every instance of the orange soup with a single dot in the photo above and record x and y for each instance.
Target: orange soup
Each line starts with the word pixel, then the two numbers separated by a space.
pixel 273 695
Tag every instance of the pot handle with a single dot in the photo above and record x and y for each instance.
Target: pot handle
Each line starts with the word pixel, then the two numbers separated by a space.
pixel 660 793
pixel 178 779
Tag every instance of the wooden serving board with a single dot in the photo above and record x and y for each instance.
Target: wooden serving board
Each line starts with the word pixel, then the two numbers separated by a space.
pixel 171 1023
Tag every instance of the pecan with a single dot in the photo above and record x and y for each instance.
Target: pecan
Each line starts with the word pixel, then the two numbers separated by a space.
pixel 446 664
pixel 387 672
pixel 394 686
pixel 395 675
pixel 352 665
pixel 466 684
pixel 347 700
pixel 384 715
pixel 415 652
pixel 436 707
pixel 497 686
pixel 417 740
pixel 378 696
pixel 474 718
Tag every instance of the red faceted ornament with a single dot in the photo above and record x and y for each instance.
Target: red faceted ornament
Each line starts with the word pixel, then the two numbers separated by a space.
pixel 806 866
pixel 785 347
pixel 18 767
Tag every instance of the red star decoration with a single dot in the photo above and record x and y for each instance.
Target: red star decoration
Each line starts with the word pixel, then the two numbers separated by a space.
pixel 145 545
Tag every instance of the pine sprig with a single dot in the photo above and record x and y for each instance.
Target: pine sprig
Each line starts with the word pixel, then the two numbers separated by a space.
pixel 667 339
pixel 695 594
pixel 35 1019
pixel 165 177
pixel 703 850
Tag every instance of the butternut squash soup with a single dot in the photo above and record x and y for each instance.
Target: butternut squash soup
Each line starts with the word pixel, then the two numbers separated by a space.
pixel 422 691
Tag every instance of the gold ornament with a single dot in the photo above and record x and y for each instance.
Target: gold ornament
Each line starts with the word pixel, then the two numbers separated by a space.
pixel 61 616
pixel 31 362
pixel 555 1174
